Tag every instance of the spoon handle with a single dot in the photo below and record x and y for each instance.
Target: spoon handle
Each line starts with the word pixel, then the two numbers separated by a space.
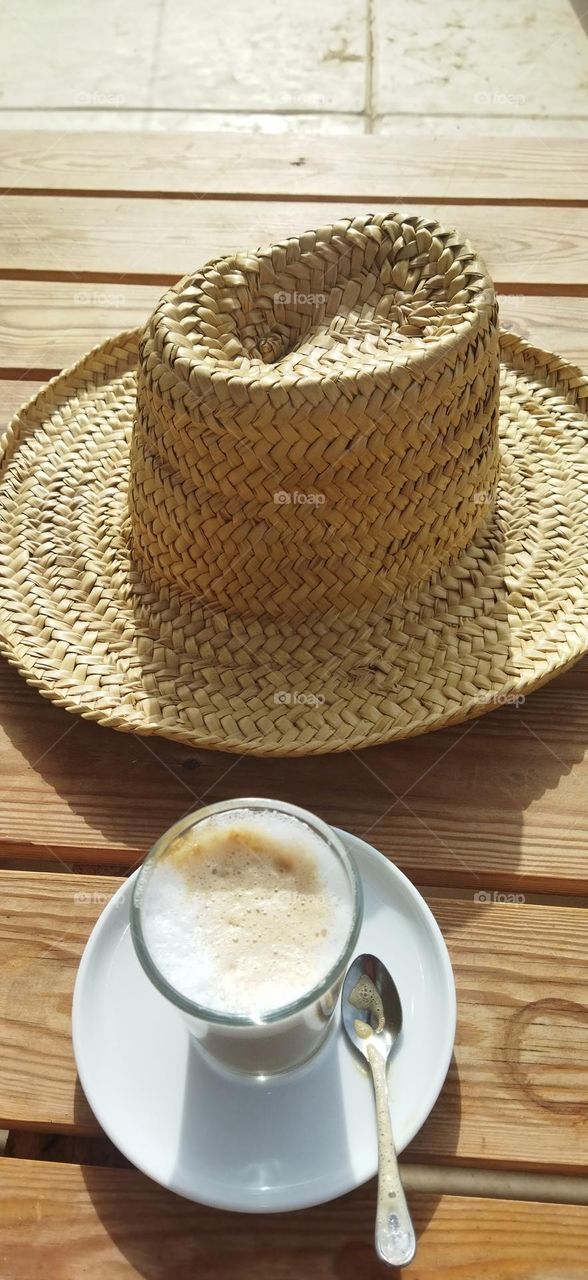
pixel 395 1238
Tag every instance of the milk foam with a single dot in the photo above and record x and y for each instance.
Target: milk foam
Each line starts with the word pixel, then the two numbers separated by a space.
pixel 246 911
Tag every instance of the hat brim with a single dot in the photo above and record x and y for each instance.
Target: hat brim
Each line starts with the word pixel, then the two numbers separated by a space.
pixel 85 628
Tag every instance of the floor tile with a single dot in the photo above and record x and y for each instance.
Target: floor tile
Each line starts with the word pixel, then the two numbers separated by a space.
pixel 75 54
pixel 481 126
pixel 450 68
pixel 72 120
pixel 499 59
pixel 320 122
pixel 264 55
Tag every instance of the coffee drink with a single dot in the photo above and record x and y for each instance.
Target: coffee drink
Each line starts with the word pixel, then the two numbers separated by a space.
pixel 244 916
pixel 247 911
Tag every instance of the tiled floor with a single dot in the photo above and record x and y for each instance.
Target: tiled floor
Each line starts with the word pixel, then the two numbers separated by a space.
pixel 313 66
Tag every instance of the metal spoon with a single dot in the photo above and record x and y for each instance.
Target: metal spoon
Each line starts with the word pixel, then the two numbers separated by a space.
pixel 373 1028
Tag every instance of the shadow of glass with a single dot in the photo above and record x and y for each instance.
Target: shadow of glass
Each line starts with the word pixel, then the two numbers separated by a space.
pixel 166 1237
pixel 263 1134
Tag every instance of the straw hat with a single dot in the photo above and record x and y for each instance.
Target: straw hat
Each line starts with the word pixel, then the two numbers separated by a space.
pixel 319 502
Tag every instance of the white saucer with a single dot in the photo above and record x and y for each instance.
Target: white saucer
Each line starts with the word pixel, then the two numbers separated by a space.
pixel 260 1146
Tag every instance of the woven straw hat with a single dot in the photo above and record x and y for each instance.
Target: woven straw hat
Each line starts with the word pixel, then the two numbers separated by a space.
pixel 319 502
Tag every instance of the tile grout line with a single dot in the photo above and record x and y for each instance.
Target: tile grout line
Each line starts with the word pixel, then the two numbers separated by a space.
pixel 149 107
pixel 194 111
pixel 369 68
pixel 370 116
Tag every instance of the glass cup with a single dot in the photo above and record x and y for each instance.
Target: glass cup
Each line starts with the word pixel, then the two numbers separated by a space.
pixel 283 1037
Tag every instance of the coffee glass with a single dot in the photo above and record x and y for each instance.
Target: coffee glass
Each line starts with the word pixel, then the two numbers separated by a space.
pixel 283 1037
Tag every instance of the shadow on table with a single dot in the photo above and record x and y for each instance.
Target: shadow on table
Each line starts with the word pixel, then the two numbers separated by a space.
pixel 166 1237
pixel 441 806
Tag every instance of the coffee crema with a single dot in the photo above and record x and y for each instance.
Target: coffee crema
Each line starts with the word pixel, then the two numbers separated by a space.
pixel 365 996
pixel 246 912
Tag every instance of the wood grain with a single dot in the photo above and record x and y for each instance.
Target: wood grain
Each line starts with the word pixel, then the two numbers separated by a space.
pixel 498 803
pixel 516 1095
pixel 382 168
pixel 61 1222
pixel 14 392
pixel 44 925
pixel 46 325
pixel 143 240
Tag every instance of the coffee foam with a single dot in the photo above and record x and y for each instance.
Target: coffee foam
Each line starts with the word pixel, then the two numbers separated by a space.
pixel 246 911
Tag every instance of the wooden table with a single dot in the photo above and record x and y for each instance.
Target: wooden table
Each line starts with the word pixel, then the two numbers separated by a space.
pixel 92 228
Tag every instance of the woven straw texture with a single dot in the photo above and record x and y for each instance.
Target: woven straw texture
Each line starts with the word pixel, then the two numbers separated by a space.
pixel 357 369
pixel 318 503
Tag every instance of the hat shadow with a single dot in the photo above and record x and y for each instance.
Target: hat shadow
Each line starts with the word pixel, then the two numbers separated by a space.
pixel 448 806
pixel 445 806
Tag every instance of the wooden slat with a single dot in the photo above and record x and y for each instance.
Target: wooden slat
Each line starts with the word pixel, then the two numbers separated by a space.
pixel 499 803
pixel 46 325
pixel 516 1095
pixel 553 323
pixel 61 1222
pixel 368 167
pixel 13 393
pixel 44 925
pixel 69 237
pixel 456 1179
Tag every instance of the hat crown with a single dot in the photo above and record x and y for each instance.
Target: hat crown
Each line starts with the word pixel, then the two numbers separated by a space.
pixel 317 422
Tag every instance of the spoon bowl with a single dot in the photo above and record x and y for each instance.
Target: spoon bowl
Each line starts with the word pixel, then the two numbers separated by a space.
pixel 383 1039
